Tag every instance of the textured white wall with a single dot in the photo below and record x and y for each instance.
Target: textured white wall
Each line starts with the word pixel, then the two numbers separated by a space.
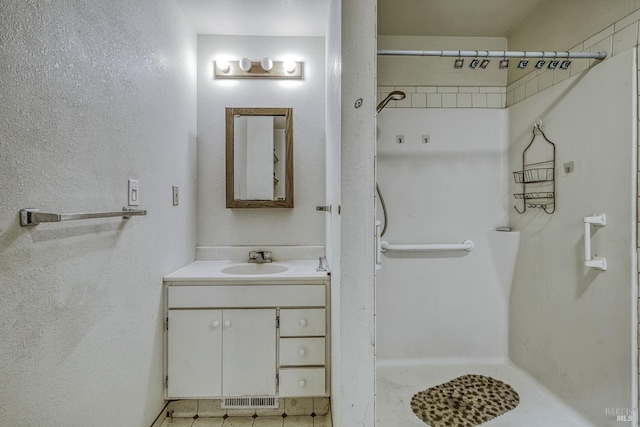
pixel 571 327
pixel 93 93
pixel 447 191
pixel 355 407
pixel 333 183
pixel 301 225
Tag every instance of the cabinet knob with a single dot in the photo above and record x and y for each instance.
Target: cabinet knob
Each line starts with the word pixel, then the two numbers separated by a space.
pixel 302 383
pixel 215 324
pixel 227 323
pixel 302 352
pixel 303 322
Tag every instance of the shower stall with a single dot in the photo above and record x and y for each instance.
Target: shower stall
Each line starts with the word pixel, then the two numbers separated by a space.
pixel 519 305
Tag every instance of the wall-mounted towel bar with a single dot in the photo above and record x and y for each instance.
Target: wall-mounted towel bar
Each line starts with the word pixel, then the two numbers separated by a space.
pixel 29 217
pixel 599 263
pixel 467 245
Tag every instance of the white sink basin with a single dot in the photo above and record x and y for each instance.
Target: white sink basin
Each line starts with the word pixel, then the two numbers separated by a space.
pixel 254 269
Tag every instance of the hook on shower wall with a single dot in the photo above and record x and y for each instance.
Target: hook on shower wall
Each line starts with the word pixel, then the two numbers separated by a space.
pixel 537 177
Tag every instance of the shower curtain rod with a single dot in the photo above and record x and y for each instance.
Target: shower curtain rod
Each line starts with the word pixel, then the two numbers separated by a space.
pixel 493 54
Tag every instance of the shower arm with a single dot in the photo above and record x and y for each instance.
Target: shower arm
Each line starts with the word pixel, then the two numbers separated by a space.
pixel 493 54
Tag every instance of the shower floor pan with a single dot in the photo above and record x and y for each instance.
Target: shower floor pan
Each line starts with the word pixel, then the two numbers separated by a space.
pixel 397 382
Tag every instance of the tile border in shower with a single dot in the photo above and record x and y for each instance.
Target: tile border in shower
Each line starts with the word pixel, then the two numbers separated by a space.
pixel 446 96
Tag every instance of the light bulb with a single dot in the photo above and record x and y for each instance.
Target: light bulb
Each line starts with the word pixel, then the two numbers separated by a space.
pixel 245 64
pixel 223 65
pixel 266 64
pixel 289 66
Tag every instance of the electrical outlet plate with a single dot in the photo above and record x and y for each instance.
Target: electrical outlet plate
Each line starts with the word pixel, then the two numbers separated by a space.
pixel 133 193
pixel 176 195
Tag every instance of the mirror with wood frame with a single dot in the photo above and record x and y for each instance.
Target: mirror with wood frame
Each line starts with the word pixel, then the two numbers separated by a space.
pixel 259 157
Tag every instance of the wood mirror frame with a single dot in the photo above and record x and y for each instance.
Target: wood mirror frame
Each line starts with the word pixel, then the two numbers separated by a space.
pixel 232 201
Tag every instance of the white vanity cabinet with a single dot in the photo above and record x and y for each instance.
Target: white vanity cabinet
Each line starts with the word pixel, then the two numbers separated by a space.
pixel 246 339
pixel 221 352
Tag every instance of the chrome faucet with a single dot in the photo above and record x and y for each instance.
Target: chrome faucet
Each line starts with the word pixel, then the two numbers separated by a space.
pixel 260 257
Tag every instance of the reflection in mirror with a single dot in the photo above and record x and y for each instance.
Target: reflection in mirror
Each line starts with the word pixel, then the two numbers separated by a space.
pixel 259 155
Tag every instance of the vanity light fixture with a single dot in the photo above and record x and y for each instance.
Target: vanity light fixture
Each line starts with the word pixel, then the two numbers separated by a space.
pixel 264 69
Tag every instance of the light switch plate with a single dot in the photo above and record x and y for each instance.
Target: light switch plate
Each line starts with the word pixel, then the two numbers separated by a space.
pixel 134 193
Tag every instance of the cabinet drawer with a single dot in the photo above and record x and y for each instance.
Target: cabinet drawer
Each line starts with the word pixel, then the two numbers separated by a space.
pixel 301 351
pixel 246 296
pixel 296 382
pixel 306 322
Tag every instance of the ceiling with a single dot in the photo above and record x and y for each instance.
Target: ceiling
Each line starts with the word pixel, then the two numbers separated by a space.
pixel 473 18
pixel 257 17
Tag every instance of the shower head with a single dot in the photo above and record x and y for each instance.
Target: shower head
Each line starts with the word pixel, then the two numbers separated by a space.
pixel 396 95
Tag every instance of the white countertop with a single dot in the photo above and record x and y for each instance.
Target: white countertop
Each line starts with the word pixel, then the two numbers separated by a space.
pixel 199 271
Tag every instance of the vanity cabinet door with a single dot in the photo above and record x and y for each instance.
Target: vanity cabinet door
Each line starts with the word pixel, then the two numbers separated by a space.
pixel 194 359
pixel 249 352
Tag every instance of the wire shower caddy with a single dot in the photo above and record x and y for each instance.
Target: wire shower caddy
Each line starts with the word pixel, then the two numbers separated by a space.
pixel 537 178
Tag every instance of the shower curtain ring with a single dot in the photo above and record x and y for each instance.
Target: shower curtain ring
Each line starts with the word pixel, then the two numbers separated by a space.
pixel 458 63
pixel 504 62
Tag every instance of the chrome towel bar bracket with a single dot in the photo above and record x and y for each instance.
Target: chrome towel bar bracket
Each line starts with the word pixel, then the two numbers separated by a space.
pixel 30 217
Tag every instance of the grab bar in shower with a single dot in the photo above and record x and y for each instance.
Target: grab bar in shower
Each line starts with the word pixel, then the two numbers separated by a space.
pixel 596 262
pixel 29 217
pixel 467 245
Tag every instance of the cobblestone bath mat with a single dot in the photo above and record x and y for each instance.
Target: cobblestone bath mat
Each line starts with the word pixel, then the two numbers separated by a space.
pixel 466 401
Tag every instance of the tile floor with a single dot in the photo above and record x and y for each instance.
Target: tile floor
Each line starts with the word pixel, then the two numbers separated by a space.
pixel 298 412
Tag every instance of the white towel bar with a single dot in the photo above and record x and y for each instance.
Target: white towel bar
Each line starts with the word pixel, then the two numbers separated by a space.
pixel 467 245
pixel 30 217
